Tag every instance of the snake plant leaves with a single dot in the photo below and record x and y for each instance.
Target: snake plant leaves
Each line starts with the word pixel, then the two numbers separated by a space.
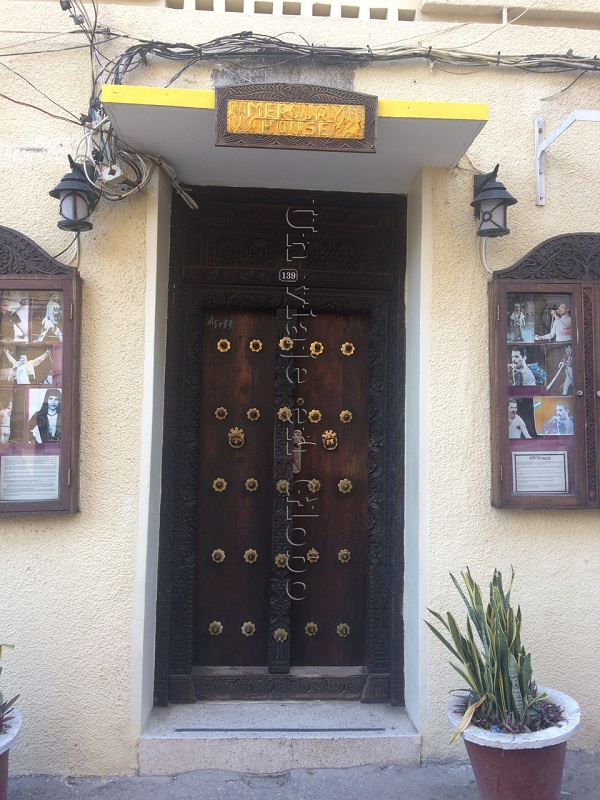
pixel 491 660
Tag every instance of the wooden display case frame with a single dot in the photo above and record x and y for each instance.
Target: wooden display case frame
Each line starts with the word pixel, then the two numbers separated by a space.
pixel 545 455
pixel 40 301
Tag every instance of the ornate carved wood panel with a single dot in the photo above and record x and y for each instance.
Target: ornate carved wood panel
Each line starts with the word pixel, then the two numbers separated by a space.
pixel 204 288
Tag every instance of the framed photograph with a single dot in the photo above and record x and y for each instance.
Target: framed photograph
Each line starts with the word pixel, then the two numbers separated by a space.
pixel 39 380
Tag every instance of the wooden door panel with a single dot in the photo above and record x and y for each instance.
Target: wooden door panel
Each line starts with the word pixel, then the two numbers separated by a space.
pixel 335 592
pixel 235 520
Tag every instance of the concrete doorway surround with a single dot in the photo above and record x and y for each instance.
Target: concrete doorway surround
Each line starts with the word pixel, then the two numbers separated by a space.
pixel 162 748
pixel 270 737
pixel 280 734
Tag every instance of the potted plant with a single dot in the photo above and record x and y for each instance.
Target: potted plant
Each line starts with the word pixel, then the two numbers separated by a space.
pixel 10 724
pixel 515 732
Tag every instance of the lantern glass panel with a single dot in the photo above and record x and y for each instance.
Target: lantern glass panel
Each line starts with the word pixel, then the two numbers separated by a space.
pixel 73 206
pixel 492 216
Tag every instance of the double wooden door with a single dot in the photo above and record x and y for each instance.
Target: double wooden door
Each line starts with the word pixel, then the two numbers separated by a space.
pixel 280 561
pixel 282 524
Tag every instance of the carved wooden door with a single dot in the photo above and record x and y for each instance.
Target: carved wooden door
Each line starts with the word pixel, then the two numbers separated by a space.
pixel 267 589
pixel 281 549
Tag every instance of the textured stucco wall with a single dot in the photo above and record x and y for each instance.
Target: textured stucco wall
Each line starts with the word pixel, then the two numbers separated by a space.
pixel 67 583
pixel 66 599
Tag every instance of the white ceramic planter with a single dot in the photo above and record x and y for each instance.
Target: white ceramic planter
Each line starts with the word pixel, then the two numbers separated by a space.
pixel 523 741
pixel 13 728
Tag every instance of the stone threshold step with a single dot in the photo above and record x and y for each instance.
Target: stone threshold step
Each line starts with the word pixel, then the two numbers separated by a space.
pixel 269 737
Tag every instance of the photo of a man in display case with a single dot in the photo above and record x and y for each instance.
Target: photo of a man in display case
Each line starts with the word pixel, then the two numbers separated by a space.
pixel 14 319
pixel 517 429
pixel 520 373
pixel 561 325
pixel 561 424
pixel 23 369
pixel 46 424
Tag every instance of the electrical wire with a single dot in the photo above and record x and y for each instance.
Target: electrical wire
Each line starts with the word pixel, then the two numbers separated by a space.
pixel 69 246
pixel 116 170
pixel 33 86
pixel 482 258
pixel 248 46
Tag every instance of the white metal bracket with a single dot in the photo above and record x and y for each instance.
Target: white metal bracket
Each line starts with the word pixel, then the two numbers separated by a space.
pixel 541 144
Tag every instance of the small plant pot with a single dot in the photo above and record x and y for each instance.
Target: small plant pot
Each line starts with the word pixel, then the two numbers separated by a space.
pixel 6 741
pixel 522 766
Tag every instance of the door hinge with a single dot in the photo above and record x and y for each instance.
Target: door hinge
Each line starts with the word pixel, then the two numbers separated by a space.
pixel 68 477
pixel 501 474
pixel 71 310
pixel 498 313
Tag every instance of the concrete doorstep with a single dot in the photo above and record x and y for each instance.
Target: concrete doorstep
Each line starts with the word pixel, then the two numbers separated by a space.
pixel 434 781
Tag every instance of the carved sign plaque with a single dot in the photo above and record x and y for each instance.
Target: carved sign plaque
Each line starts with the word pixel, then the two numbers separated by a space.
pixel 295 117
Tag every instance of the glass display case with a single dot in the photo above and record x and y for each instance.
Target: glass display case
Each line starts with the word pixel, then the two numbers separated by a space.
pixel 545 323
pixel 39 301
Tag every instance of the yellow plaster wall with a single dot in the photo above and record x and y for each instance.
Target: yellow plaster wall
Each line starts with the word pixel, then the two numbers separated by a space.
pixel 555 555
pixel 67 582
pixel 66 599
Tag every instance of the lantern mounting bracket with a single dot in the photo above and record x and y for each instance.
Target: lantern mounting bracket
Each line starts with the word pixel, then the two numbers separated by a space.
pixel 542 144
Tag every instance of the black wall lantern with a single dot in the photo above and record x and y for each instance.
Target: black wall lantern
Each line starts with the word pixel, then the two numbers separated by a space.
pixel 78 198
pixel 490 202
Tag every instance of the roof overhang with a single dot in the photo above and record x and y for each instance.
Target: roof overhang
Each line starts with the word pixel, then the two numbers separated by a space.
pixel 179 125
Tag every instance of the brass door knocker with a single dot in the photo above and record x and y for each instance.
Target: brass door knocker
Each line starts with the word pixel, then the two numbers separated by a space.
pixel 330 440
pixel 236 437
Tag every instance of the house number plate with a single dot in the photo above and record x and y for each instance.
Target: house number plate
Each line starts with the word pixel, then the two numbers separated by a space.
pixel 288 275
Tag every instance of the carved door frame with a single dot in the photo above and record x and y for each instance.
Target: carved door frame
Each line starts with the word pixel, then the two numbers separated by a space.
pixel 376 291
